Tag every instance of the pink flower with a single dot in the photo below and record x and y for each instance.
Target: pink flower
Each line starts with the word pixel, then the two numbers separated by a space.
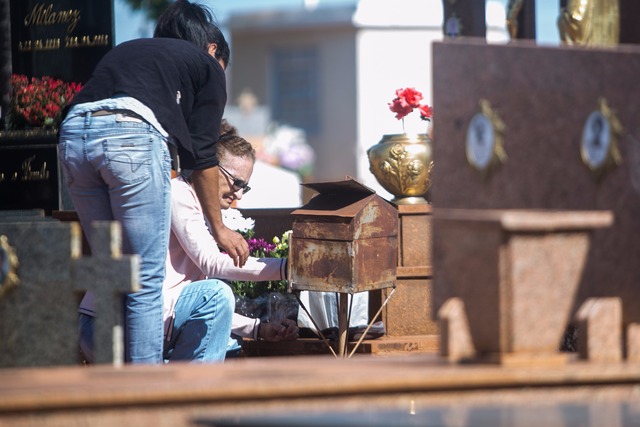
pixel 426 112
pixel 400 108
pixel 406 100
pixel 409 96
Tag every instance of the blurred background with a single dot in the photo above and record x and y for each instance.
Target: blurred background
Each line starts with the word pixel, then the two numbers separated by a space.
pixel 310 80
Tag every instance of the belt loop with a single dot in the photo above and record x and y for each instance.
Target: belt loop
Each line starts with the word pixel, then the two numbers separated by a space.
pixel 87 119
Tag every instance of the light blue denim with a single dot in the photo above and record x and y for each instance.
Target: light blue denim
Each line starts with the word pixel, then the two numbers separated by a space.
pixel 119 170
pixel 202 324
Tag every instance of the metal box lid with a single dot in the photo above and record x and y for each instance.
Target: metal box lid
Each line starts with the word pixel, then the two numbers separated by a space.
pixel 344 210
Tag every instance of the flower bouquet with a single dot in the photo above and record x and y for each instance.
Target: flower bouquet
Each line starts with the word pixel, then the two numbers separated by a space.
pixel 38 102
pixel 260 248
pixel 406 100
pixel 267 300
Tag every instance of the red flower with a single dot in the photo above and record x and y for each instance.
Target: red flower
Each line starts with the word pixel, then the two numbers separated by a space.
pixel 409 96
pixel 400 108
pixel 405 101
pixel 38 102
pixel 426 112
pixel 408 99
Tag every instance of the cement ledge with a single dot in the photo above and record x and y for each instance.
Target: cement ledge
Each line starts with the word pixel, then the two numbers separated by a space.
pixel 246 380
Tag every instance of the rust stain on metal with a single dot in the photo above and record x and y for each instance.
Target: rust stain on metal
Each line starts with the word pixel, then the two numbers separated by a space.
pixel 344 244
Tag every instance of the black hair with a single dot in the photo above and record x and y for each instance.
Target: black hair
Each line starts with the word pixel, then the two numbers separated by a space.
pixel 195 23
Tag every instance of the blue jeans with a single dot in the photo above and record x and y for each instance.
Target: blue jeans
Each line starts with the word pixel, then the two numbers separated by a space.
pixel 202 324
pixel 120 170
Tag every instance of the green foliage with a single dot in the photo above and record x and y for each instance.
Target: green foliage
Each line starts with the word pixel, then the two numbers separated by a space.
pixel 152 8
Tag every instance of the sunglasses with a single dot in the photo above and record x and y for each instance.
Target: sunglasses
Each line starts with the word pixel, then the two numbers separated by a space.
pixel 238 184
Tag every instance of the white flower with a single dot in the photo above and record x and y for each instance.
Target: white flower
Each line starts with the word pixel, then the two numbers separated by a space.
pixel 234 220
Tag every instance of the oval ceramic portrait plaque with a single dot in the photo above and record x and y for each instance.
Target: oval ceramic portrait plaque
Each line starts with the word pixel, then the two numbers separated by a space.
pixel 484 139
pixel 598 145
pixel 596 140
pixel 480 142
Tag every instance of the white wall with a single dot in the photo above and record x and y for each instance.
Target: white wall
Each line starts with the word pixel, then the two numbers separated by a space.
pixel 388 47
pixel 393 51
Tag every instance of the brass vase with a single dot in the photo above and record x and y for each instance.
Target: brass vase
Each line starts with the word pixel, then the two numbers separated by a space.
pixel 402 165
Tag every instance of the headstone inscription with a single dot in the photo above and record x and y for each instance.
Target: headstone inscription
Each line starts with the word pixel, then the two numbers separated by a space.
pixel 29 174
pixel 64 39
pixel 38 314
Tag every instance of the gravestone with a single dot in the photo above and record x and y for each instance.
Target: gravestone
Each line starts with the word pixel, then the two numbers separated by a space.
pixel 544 97
pixel 39 313
pixel 5 60
pixel 455 337
pixel 516 271
pixel 599 330
pixel 29 174
pixel 63 39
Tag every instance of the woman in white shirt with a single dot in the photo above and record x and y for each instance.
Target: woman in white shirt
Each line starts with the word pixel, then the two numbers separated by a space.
pixel 198 305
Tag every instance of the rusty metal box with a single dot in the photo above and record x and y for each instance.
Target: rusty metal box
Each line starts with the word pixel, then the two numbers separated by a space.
pixel 344 240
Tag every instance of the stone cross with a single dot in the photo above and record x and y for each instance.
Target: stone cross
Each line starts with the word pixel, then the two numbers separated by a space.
pixel 39 315
pixel 109 275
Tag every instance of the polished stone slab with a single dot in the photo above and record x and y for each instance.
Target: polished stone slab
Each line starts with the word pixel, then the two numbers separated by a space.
pixel 180 394
pixel 616 414
pixel 543 95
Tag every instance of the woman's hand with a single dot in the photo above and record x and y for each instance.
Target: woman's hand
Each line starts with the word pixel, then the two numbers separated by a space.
pixel 233 244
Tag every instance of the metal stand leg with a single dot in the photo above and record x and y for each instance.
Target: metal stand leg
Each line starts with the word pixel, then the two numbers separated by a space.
pixel 343 324
pixel 344 312
pixel 364 334
pixel 324 339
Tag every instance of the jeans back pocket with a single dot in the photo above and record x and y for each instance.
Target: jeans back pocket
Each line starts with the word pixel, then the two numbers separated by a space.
pixel 128 157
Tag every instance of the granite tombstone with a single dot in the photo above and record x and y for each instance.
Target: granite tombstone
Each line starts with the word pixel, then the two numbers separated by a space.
pixel 544 97
pixel 44 276
pixel 61 39
pixel 64 39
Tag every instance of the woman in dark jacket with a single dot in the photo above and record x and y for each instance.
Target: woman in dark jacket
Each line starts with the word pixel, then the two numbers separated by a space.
pixel 151 105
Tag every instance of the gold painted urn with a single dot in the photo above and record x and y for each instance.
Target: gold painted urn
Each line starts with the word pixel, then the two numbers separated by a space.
pixel 402 164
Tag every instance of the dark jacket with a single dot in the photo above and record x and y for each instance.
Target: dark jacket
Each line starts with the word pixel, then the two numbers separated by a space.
pixel 184 86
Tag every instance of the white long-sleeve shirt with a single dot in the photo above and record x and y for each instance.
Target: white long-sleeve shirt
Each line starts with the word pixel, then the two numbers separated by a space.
pixel 194 255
